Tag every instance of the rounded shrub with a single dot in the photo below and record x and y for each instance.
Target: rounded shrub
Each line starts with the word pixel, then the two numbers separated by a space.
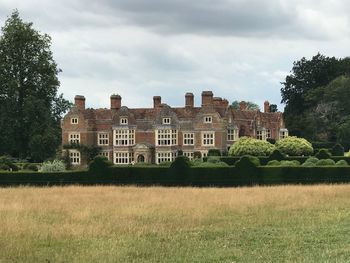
pixel 338 150
pixel 294 146
pixel 341 163
pixel 248 161
pixel 4 167
pixel 325 162
pixel 52 167
pixel 308 164
pixel 197 155
pixel 273 163
pixel 251 146
pixel 312 159
pixel 99 164
pixel 323 154
pixel 276 155
pixel 290 163
pixel 180 163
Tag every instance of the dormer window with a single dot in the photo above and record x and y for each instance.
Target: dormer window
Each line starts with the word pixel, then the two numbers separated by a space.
pixel 123 121
pixel 208 119
pixel 166 121
pixel 74 120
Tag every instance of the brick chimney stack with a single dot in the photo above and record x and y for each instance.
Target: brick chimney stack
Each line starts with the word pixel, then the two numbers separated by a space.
pixel 79 102
pixel 116 102
pixel 207 98
pixel 157 101
pixel 266 106
pixel 242 105
pixel 224 103
pixel 189 100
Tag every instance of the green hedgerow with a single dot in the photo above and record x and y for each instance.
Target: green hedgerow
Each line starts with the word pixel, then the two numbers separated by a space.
pixel 273 163
pixel 341 163
pixel 290 163
pixel 312 160
pixel 325 162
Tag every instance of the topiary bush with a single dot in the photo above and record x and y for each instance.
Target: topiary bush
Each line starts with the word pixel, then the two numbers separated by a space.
pixel 312 160
pixel 323 154
pixel 276 155
pixel 214 152
pixel 251 146
pixel 338 150
pixel 294 146
pixel 52 167
pixel 248 161
pixel 290 163
pixel 197 155
pixel 99 164
pixel 181 163
pixel 325 162
pixel 308 164
pixel 341 163
pixel 273 163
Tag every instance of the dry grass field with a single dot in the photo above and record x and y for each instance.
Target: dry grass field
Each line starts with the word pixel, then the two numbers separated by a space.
pixel 130 224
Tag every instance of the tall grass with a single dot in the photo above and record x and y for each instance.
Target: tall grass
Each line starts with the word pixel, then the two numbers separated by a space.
pixel 130 224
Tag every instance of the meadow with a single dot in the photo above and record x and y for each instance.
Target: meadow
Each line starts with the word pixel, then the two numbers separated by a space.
pixel 159 224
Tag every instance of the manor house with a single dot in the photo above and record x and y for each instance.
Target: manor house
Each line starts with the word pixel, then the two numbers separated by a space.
pixel 157 134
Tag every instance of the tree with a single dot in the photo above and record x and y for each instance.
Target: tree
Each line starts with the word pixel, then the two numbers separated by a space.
pixel 251 146
pixel 273 108
pixel 294 146
pixel 303 92
pixel 250 105
pixel 30 109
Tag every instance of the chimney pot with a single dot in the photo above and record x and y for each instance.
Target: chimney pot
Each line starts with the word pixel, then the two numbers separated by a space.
pixel 116 101
pixel 157 101
pixel 207 98
pixel 79 102
pixel 189 100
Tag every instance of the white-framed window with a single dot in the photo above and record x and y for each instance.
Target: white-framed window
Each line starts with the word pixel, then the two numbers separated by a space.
pixel 232 134
pixel 123 157
pixel 103 138
pixel 166 137
pixel 124 137
pixel 268 133
pixel 105 154
pixel 74 138
pixel 204 153
pixel 74 120
pixel 123 121
pixel 283 133
pixel 188 138
pixel 208 119
pixel 166 120
pixel 208 138
pixel 74 157
pixel 189 155
pixel 260 135
pixel 165 157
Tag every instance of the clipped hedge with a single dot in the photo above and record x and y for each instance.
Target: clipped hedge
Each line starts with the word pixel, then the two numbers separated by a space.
pixel 251 146
pixel 294 146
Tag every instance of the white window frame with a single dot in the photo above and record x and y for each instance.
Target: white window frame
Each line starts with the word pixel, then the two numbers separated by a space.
pixel 283 133
pixel 124 121
pixel 268 133
pixel 208 119
pixel 166 120
pixel 232 135
pixel 74 137
pixel 166 137
pixel 74 120
pixel 165 156
pixel 261 135
pixel 208 138
pixel 103 138
pixel 189 155
pixel 74 157
pixel 188 138
pixel 123 157
pixel 123 137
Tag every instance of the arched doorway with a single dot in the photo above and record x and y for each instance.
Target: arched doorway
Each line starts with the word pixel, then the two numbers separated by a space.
pixel 140 158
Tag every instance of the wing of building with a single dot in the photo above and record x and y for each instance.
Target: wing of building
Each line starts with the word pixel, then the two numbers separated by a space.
pixel 157 134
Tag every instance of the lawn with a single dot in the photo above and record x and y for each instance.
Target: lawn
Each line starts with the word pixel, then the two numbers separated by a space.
pixel 155 224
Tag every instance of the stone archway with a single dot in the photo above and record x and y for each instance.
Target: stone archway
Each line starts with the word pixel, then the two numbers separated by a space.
pixel 140 158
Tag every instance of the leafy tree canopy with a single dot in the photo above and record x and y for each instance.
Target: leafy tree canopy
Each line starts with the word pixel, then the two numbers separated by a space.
pixel 30 108
pixel 316 94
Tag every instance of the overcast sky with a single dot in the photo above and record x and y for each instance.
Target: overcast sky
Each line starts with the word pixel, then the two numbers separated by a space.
pixel 239 49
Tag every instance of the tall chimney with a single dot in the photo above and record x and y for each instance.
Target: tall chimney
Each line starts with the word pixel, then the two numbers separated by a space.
pixel 189 100
pixel 116 102
pixel 157 101
pixel 266 106
pixel 242 105
pixel 207 98
pixel 79 102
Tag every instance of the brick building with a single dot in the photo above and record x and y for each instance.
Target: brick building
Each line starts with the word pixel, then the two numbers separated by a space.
pixel 156 134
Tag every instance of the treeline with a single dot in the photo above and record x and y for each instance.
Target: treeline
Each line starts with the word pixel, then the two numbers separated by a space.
pixel 317 95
